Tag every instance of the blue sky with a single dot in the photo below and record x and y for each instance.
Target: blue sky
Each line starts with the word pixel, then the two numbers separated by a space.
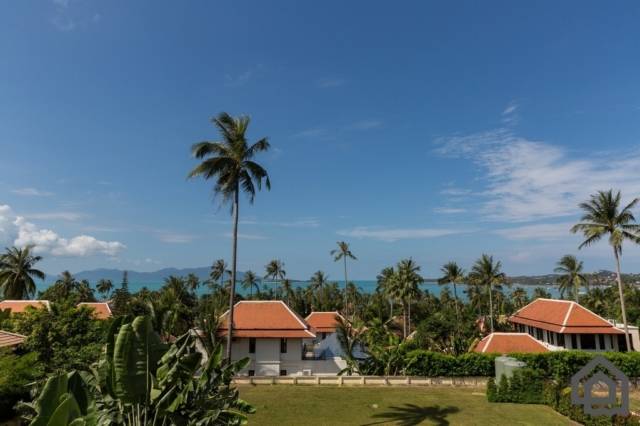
pixel 433 130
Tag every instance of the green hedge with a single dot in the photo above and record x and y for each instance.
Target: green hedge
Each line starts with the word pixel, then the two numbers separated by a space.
pixel 526 386
pixel 560 365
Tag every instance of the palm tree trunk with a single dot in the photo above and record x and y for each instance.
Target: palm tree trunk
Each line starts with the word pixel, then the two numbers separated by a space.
pixel 455 295
pixel 404 319
pixel 232 285
pixel 577 291
pixel 390 307
pixel 622 307
pixel 490 308
pixel 409 318
pixel 346 300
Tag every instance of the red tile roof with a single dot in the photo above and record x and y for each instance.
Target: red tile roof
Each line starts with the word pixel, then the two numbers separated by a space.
pixel 507 343
pixel 323 322
pixel 18 306
pixel 101 310
pixel 563 316
pixel 265 319
pixel 10 339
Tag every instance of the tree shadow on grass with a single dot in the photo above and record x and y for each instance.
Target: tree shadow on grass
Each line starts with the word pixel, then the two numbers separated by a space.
pixel 411 414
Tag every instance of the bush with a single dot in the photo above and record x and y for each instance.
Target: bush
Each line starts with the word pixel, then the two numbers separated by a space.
pixel 16 373
pixel 526 386
pixel 433 364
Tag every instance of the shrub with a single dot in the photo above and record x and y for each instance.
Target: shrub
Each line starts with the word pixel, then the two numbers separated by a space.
pixel 526 386
pixel 433 364
pixel 16 373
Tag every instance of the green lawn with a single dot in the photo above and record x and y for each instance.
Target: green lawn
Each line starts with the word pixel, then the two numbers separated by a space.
pixel 331 405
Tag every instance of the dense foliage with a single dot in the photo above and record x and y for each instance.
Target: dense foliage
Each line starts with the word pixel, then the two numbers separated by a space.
pixel 17 372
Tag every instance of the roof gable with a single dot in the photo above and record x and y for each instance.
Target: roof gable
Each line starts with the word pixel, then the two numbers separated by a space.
pixel 323 321
pixel 505 343
pixel 19 306
pixel 101 310
pixel 10 339
pixel 269 318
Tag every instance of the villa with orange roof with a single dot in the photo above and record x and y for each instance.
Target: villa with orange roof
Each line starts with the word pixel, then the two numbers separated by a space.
pixel 273 336
pixel 19 306
pixel 325 344
pixel 564 324
pixel 509 343
pixel 101 310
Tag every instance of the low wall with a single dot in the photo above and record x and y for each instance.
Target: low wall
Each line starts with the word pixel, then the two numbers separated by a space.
pixel 362 381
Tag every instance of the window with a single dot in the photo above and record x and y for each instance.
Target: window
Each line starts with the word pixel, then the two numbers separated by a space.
pixel 574 342
pixel 324 336
pixel 560 340
pixel 252 372
pixel 252 345
pixel 539 333
pixel 622 343
pixel 602 345
pixel 588 341
pixel 283 346
pixel 283 372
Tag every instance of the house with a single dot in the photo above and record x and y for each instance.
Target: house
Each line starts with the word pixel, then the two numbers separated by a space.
pixel 19 306
pixel 8 339
pixel 509 343
pixel 564 324
pixel 325 344
pixel 272 336
pixel 101 310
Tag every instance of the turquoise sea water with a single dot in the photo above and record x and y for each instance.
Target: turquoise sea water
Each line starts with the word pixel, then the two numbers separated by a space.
pixel 366 286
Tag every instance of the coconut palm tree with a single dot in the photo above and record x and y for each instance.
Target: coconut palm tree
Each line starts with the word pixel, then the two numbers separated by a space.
pixel 317 283
pixel 487 273
pixel 287 290
pixel 452 274
pixel 571 278
pixel 275 271
pixel 249 282
pixel 230 162
pixel 104 287
pixel 408 280
pixel 343 252
pixel 17 272
pixel 67 282
pixel 385 283
pixel 603 216
pixel 218 271
pixel 519 297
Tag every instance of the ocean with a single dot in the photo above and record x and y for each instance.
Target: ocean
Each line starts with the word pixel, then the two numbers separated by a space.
pixel 365 286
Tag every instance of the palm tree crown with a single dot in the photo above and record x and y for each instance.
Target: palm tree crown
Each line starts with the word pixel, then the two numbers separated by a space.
pixel 571 278
pixel 218 271
pixel 249 282
pixel 603 216
pixel 275 271
pixel 343 252
pixel 487 273
pixel 17 272
pixel 230 162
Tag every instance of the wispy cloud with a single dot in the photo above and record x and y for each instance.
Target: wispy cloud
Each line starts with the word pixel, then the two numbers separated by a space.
pixel 529 180
pixel 68 216
pixel 510 114
pixel 238 80
pixel 16 230
pixel 449 210
pixel 314 132
pixel 328 82
pixel 247 236
pixel 395 234
pixel 32 192
pixel 309 222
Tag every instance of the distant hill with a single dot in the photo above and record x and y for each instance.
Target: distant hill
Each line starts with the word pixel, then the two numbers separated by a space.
pixel 115 275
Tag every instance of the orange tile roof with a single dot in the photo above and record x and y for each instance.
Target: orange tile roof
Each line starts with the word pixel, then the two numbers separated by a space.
pixel 101 310
pixel 18 306
pixel 10 339
pixel 507 343
pixel 323 322
pixel 563 316
pixel 265 319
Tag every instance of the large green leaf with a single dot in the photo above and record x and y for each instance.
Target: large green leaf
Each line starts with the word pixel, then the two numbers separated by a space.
pixel 54 390
pixel 67 411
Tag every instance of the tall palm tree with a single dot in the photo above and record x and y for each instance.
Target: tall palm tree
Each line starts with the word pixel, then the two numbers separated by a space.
pixel 17 272
pixel 571 278
pixel 275 271
pixel 67 282
pixel 104 287
pixel 452 274
pixel 230 162
pixel 602 216
pixel 287 290
pixel 519 297
pixel 317 283
pixel 343 252
pixel 218 271
pixel 487 273
pixel 250 281
pixel 386 281
pixel 409 279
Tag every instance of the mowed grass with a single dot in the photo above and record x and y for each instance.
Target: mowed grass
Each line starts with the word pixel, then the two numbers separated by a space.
pixel 332 405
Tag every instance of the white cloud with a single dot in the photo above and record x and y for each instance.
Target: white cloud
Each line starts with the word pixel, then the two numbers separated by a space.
pixel 238 80
pixel 325 83
pixel 529 180
pixel 32 192
pixel 509 115
pixel 449 210
pixel 510 109
pixel 16 230
pixel 395 234
pixel 540 231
